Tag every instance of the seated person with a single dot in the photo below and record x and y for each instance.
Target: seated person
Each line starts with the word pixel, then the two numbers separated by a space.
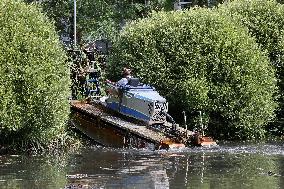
pixel 126 76
pixel 126 73
pixel 122 82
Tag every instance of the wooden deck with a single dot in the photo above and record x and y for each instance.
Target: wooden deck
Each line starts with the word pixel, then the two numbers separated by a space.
pixel 141 132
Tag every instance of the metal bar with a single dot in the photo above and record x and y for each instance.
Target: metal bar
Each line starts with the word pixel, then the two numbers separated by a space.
pixel 75 15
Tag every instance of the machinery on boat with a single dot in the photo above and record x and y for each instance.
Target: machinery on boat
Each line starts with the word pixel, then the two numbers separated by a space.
pixel 144 103
pixel 138 102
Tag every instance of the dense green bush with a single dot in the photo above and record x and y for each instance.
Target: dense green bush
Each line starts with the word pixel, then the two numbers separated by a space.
pixel 265 21
pixel 34 77
pixel 200 60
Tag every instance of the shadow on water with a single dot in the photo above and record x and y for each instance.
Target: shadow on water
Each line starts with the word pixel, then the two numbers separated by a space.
pixel 230 165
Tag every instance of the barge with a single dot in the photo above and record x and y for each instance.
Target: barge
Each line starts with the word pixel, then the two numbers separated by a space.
pixel 134 115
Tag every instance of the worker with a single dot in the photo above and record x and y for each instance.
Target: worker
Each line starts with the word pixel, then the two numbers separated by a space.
pixel 126 75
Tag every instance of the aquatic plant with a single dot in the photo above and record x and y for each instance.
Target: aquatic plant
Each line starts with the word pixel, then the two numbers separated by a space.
pixel 201 60
pixel 34 77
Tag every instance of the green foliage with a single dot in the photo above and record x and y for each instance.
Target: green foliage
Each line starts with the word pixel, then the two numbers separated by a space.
pixel 265 21
pixel 104 18
pixel 207 3
pixel 34 76
pixel 100 18
pixel 57 10
pixel 200 60
pixel 82 63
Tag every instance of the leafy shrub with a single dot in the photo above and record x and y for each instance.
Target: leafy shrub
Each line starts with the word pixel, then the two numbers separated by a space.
pixel 202 61
pixel 34 77
pixel 265 21
pixel 100 19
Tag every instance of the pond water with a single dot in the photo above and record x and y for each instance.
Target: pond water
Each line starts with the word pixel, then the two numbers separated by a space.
pixel 227 166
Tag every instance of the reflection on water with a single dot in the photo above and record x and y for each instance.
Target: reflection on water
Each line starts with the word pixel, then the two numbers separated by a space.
pixel 228 166
pixel 31 172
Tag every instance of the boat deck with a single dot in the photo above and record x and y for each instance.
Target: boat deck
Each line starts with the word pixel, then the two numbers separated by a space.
pixel 139 130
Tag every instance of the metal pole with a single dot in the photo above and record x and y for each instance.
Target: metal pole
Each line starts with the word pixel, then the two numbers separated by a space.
pixel 184 117
pixel 75 38
pixel 202 128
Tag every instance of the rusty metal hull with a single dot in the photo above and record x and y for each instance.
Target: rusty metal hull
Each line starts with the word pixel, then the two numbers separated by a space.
pixel 110 130
pixel 102 134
